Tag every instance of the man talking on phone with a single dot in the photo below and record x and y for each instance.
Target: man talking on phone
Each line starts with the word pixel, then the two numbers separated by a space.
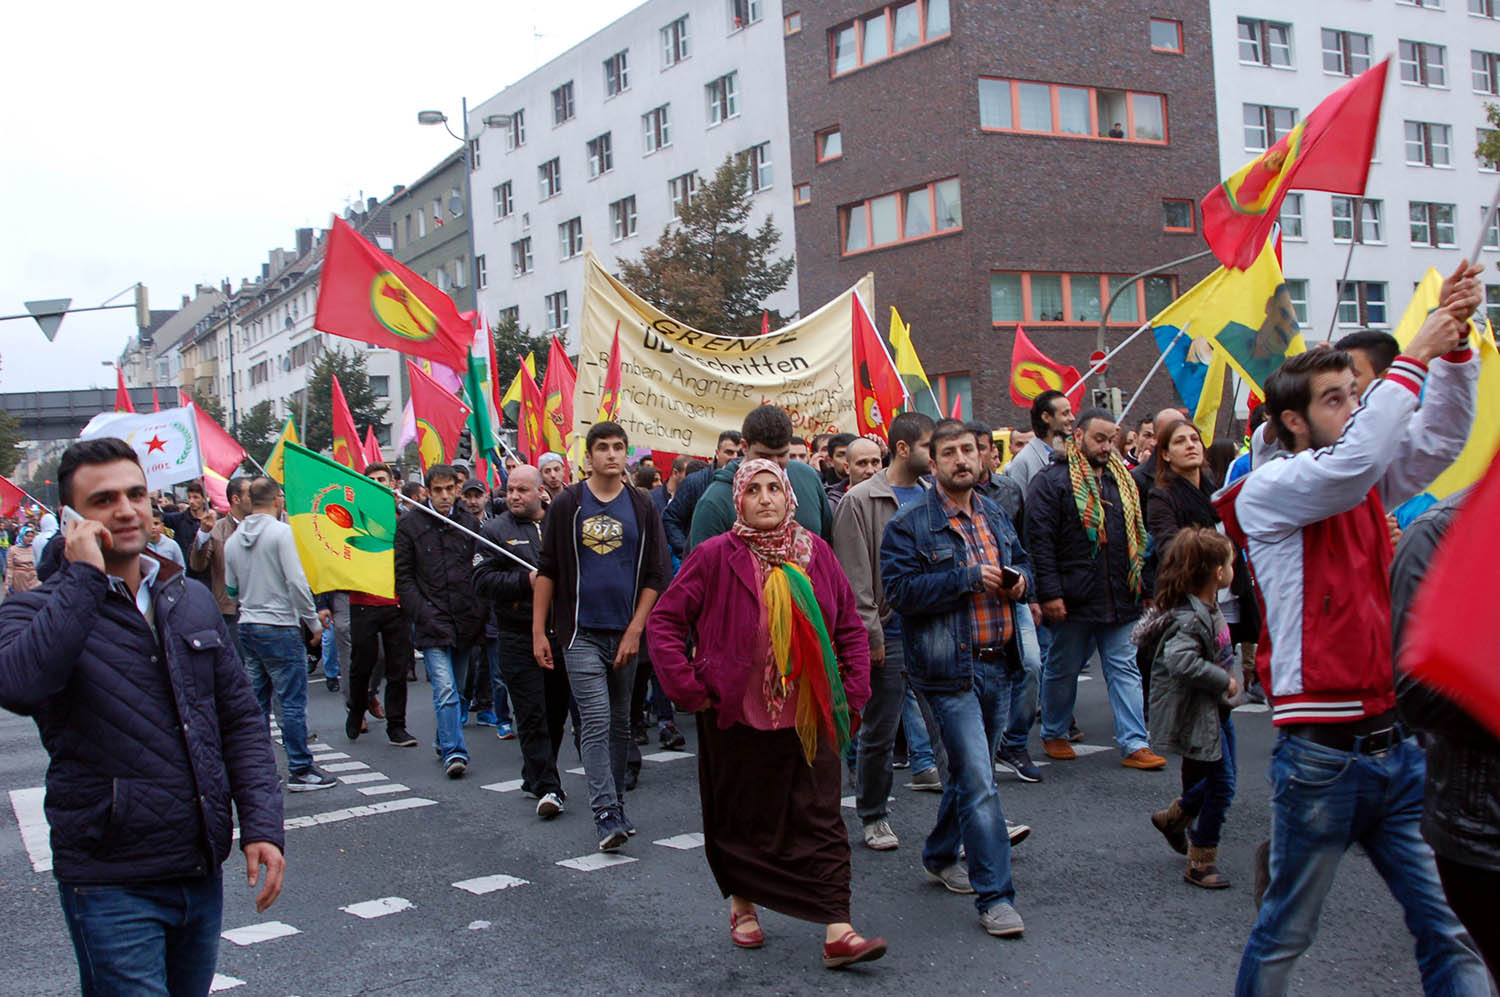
pixel 152 732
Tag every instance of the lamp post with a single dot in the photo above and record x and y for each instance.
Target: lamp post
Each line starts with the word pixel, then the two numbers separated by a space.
pixel 1128 283
pixel 490 121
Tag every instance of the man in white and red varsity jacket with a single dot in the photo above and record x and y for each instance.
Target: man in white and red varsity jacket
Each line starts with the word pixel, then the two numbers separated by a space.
pixel 1312 517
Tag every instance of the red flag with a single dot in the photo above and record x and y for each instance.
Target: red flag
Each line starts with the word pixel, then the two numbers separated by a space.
pixel 609 395
pixel 1033 372
pixel 122 396
pixel 372 448
pixel 11 497
pixel 346 447
pixel 1328 150
pixel 183 399
pixel 221 452
pixel 878 391
pixel 958 407
pixel 366 295
pixel 440 418
pixel 1440 648
pixel 557 395
pixel 529 436
pixel 765 322
pixel 155 401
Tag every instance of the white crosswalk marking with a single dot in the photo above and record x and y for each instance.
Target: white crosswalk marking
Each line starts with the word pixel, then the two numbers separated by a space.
pixel 580 770
pixel 666 756
pixel 682 842
pixel 383 789
pixel 222 982
pixel 318 747
pixel 252 934
pixel 351 813
pixel 359 777
pixel 595 861
pixel 504 787
pixel 378 908
pixel 1082 750
pixel 31 819
pixel 1252 708
pixel 850 802
pixel 345 767
pixel 489 884
pixel 331 756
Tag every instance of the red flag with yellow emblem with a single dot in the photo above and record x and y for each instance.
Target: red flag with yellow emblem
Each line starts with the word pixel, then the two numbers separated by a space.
pixel 1328 150
pixel 440 418
pixel 1033 372
pixel 557 393
pixel 347 448
pixel 530 438
pixel 609 394
pixel 366 295
pixel 878 390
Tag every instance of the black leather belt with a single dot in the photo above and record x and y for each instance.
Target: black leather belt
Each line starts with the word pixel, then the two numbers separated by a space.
pixel 991 653
pixel 1369 736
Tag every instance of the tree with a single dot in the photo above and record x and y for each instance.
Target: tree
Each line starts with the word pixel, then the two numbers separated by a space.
pixel 259 429
pixel 350 369
pixel 512 343
pixel 210 406
pixel 11 450
pixel 1488 152
pixel 707 270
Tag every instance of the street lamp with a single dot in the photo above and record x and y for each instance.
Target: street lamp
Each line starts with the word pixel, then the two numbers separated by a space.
pixel 430 117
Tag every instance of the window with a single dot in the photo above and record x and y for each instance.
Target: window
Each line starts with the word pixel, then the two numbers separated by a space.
pixel 743 13
pixel 723 98
pixel 601 155
pixel 617 73
pixel 1345 53
pixel 556 306
pixel 509 316
pixel 1491 298
pixel 1484 8
pixel 1432 224
pixel 950 389
pixel 1429 4
pixel 759 158
pixel 1296 290
pixel 1362 302
pixel 1481 136
pixel 902 216
pixel 515 134
pixel 421 224
pixel 473 154
pixel 657 127
pixel 520 257
pixel 1081 112
pixel 505 201
pixel 1291 217
pixel 549 177
pixel 1177 215
pixel 1266 43
pixel 1265 125
pixel 802 193
pixel 1423 64
pixel 674 42
pixel 680 191
pixel 481 272
pixel 1486 66
pixel 570 238
pixel 1062 298
pixel 792 23
pixel 1428 144
pixel 1344 209
pixel 888 31
pixel 829 144
pixel 562 103
pixel 622 218
pixel 1166 35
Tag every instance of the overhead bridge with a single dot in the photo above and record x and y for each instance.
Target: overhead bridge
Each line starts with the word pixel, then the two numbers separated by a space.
pixel 61 415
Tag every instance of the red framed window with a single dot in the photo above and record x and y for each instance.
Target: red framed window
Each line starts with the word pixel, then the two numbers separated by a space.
pixel 1034 108
pixel 908 215
pixel 884 32
pixel 1166 35
pixel 828 144
pixel 1178 215
pixel 1062 299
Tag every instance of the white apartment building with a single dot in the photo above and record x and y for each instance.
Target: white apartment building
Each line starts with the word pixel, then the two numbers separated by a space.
pixel 1275 60
pixel 608 138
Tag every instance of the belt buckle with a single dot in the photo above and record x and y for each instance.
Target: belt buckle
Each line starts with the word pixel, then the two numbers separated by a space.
pixel 1390 737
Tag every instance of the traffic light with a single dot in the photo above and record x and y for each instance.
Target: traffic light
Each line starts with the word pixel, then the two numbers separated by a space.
pixel 142 314
pixel 465 446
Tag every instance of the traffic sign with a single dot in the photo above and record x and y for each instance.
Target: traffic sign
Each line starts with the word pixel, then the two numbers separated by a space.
pixel 1097 357
pixel 49 314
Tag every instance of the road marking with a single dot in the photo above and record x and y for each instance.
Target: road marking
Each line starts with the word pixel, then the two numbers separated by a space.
pixel 345 767
pixel 1083 750
pixel 596 861
pixel 1252 708
pixel 850 801
pixel 580 770
pixel 31 818
pixel 253 934
pixel 318 747
pixel 682 842
pixel 359 777
pixel 666 756
pixel 222 982
pixel 350 813
pixel 382 790
pixel 504 787
pixel 489 884
pixel 368 909
pixel 332 756
pixel 1085 678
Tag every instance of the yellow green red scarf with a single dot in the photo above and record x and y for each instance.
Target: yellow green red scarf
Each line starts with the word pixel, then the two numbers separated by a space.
pixel 1091 508
pixel 804 658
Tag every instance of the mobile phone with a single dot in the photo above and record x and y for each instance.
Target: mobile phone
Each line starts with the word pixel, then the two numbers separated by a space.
pixel 1009 577
pixel 70 516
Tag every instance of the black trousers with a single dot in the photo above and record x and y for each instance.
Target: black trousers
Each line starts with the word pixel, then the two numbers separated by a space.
pixel 1471 893
pixel 539 708
pixel 369 627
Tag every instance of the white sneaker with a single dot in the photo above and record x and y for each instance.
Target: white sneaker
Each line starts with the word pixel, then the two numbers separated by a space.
pixel 549 806
pixel 880 837
pixel 1017 832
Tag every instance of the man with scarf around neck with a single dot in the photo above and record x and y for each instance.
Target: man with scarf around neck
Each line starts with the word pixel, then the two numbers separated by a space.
pixel 1088 545
pixel 778 677
pixel 942 563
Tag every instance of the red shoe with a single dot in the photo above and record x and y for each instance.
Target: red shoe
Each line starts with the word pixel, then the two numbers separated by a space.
pixel 851 949
pixel 749 939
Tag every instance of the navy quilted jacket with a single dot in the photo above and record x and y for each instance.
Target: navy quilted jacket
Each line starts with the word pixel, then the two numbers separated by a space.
pixel 145 759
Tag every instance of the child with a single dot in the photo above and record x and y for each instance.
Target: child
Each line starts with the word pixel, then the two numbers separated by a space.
pixel 1191 680
pixel 161 544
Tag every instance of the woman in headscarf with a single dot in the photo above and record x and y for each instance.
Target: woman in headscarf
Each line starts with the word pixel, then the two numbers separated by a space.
pixel 780 671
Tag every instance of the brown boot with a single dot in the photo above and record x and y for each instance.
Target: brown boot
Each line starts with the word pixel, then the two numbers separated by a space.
pixel 1173 825
pixel 1059 749
pixel 1201 870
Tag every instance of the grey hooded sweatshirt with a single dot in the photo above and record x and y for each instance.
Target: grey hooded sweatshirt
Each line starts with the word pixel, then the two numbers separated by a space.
pixel 262 571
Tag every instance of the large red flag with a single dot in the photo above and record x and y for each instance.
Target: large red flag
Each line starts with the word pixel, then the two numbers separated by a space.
pixel 557 395
pixel 346 445
pixel 609 395
pixel 1033 372
pixel 440 418
pixel 372 448
pixel 367 295
pixel 122 396
pixel 11 497
pixel 529 435
pixel 878 391
pixel 1328 150
pixel 1440 648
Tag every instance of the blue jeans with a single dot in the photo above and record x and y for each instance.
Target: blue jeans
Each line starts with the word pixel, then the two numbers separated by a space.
pixel 275 657
pixel 499 701
pixel 1072 643
pixel 969 812
pixel 603 696
pixel 1208 789
pixel 147 938
pixel 447 667
pixel 1322 802
pixel 918 743
pixel 329 661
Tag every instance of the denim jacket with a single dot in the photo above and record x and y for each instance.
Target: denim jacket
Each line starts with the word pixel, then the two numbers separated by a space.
pixel 928 580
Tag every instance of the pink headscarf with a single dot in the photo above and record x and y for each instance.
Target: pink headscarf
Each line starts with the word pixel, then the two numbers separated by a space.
pixel 788 540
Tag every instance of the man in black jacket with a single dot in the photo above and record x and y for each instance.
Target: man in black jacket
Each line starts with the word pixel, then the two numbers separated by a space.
pixel 433 563
pixel 603 534
pixel 538 697
pixel 153 732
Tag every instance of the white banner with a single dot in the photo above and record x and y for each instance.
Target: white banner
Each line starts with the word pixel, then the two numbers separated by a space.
pixel 166 442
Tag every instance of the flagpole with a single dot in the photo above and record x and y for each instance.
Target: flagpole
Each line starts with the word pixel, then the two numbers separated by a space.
pixel 1105 359
pixel 906 395
pixel 464 529
pixel 1489 219
pixel 1151 373
pixel 1359 205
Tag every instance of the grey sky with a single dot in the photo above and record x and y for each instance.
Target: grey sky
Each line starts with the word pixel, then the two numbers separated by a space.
pixel 175 143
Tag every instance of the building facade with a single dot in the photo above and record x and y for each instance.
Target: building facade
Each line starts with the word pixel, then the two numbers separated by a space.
pixel 987 183
pixel 1426 190
pixel 430 230
pixel 605 141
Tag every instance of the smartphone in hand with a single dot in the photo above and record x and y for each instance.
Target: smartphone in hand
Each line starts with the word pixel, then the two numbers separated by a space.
pixel 1009 577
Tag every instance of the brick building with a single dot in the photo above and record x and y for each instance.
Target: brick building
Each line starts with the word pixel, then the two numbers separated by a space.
pixel 962 151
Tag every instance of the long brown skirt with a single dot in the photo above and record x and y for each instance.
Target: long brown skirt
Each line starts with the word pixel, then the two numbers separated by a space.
pixel 772 829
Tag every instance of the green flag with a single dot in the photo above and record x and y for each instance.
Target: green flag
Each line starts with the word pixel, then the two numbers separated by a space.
pixel 344 525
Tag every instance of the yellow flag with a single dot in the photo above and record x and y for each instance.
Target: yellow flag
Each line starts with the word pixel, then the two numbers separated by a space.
pixel 907 363
pixel 276 463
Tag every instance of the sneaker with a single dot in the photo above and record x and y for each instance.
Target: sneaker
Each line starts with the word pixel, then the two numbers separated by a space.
pixel 306 782
pixel 627 823
pixel 1018 760
pixel 1074 734
pixel 332 684
pixel 880 837
pixel 1017 832
pixel 612 833
pixel 1255 694
pixel 505 731
pixel 487 718
pixel 1143 758
pixel 549 806
pixel 1002 921
pixel 927 780
pixel 456 766
pixel 901 763
pixel 671 737
pixel 353 726
pixel 955 878
pixel 400 737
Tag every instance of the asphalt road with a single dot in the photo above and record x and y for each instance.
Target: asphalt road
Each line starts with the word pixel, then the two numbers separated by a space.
pixel 1106 909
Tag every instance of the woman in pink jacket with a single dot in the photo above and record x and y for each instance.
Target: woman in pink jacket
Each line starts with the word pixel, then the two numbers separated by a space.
pixel 780 672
